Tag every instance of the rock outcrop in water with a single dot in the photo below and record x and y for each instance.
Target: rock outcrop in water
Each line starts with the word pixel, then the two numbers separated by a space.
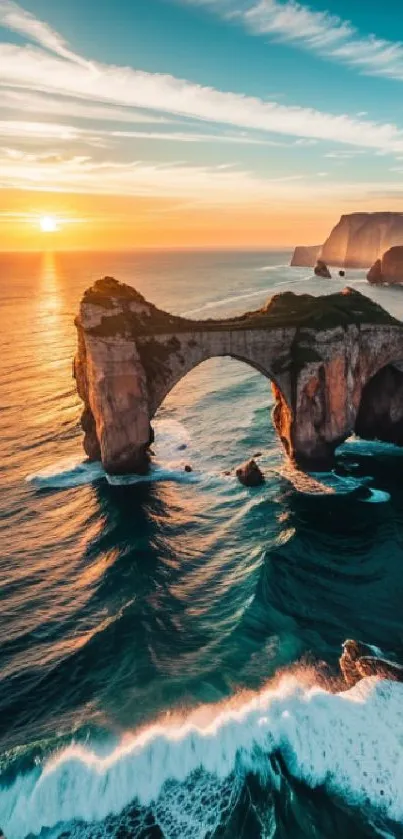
pixel 250 474
pixel 359 661
pixel 358 240
pixel 321 354
pixel 321 270
pixel 389 269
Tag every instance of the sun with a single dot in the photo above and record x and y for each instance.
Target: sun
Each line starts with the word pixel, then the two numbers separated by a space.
pixel 48 224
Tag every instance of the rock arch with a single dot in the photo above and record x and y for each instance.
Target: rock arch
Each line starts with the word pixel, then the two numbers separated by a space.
pixel 319 354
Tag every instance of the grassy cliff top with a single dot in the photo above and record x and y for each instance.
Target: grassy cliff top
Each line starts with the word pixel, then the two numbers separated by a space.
pixel 281 311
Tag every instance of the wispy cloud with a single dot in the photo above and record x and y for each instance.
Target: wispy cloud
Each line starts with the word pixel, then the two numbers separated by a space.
pixel 201 185
pixel 26 101
pixel 323 33
pixel 26 131
pixel 17 19
pixel 81 174
pixel 64 85
pixel 36 70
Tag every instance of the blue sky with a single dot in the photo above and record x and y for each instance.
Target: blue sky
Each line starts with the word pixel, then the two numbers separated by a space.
pixel 204 102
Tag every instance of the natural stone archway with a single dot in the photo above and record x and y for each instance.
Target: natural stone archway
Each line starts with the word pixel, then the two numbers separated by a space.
pixel 319 353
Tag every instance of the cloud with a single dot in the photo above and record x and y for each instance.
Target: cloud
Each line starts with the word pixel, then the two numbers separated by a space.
pixel 124 86
pixel 13 17
pixel 62 84
pixel 322 33
pixel 40 103
pixel 26 131
pixel 201 185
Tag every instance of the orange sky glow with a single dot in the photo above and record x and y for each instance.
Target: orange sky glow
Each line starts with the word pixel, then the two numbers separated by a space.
pixel 120 222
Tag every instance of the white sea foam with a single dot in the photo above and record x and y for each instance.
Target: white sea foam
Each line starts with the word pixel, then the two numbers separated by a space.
pixel 377 496
pixel 351 743
pixel 265 268
pixel 171 438
pixel 67 472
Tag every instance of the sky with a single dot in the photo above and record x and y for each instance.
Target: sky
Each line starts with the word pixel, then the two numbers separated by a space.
pixel 196 123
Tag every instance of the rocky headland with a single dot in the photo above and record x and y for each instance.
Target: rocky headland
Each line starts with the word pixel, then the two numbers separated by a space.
pixel 357 241
pixel 325 357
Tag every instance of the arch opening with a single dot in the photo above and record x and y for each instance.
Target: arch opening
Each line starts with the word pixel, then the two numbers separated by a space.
pixel 218 412
pixel 380 413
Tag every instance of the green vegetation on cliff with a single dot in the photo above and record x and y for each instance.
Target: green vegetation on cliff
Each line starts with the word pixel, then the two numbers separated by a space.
pixel 128 313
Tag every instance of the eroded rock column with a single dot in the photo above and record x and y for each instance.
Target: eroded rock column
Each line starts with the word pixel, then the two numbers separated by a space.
pixel 116 417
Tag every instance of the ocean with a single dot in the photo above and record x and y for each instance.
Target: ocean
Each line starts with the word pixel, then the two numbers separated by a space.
pixel 169 645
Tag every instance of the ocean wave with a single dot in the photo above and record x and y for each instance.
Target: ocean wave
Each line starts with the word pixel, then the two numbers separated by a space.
pixel 272 267
pixel 246 295
pixel 212 304
pixel 349 743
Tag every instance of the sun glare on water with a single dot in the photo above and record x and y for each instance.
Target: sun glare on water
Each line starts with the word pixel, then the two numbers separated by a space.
pixel 48 224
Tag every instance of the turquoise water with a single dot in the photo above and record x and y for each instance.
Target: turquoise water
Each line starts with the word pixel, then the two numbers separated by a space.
pixel 169 647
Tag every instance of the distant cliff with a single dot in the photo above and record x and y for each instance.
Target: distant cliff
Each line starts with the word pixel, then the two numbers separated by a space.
pixel 306 256
pixel 358 240
pixel 389 269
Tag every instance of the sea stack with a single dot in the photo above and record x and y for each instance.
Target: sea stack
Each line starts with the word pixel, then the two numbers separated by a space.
pixel 321 270
pixel 389 269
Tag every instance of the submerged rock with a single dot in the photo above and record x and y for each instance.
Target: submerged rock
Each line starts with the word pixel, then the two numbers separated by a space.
pixel 249 474
pixel 321 270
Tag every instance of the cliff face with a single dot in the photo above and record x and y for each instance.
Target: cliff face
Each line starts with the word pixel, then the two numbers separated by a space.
pixel 359 239
pixel 305 256
pixel 389 269
pixel 319 353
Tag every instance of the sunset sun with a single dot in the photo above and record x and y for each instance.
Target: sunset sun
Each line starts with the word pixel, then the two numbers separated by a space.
pixel 48 224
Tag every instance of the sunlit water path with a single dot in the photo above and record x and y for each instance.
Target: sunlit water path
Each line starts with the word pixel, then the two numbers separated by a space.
pixel 179 601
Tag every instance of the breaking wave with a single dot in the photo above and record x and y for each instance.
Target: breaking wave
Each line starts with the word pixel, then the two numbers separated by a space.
pixel 188 775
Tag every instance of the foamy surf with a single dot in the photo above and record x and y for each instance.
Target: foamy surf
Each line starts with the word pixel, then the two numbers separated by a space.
pixel 67 473
pixel 172 439
pixel 329 483
pixel 350 743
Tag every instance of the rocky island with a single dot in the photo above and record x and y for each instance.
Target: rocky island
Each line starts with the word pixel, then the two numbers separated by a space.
pixel 329 360
pixel 357 241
